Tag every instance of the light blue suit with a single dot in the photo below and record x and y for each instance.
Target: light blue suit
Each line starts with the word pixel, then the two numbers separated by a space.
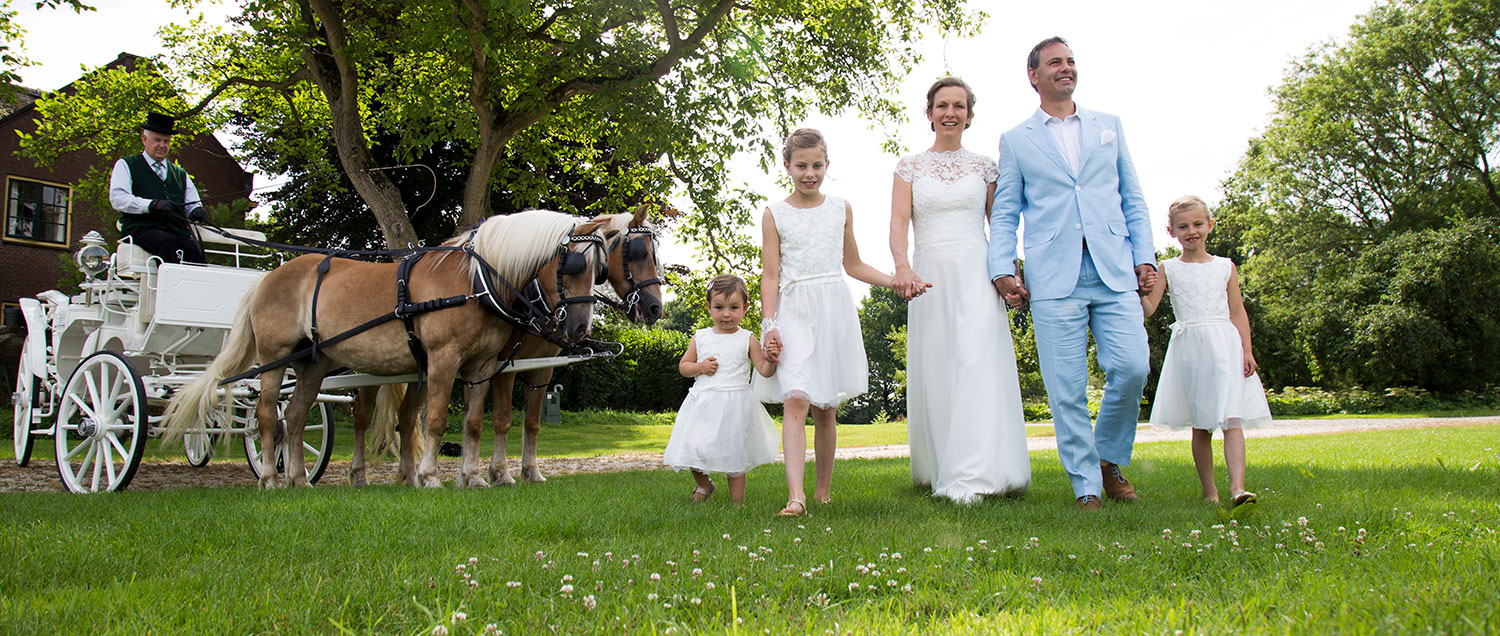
pixel 1076 290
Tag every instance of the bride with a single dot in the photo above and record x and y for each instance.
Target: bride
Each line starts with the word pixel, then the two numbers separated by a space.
pixel 968 435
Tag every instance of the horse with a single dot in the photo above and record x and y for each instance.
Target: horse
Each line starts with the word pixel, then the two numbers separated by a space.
pixel 631 273
pixel 633 276
pixel 316 297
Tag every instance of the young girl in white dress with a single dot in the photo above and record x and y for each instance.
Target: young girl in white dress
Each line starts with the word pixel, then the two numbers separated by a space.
pixel 1208 379
pixel 963 396
pixel 809 245
pixel 721 427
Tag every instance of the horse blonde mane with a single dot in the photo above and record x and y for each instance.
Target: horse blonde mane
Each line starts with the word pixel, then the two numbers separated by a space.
pixel 517 245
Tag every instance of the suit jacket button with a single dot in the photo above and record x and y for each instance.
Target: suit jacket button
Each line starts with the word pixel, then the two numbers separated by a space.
pixel 1077 226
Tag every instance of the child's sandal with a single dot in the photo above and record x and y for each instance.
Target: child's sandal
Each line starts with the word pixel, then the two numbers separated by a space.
pixel 1241 498
pixel 794 508
pixel 701 494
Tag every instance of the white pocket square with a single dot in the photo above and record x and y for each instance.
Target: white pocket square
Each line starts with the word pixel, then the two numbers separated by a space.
pixel 1107 137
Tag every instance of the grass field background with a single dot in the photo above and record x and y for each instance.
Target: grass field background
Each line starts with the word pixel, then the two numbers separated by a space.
pixel 1392 532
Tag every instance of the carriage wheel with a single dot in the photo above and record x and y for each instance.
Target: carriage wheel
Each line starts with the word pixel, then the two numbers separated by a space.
pixel 199 448
pixel 317 440
pixel 101 425
pixel 22 402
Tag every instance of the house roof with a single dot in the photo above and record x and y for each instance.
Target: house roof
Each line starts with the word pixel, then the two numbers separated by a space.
pixel 25 98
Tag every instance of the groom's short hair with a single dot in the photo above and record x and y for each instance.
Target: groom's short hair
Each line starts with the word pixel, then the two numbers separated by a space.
pixel 1034 59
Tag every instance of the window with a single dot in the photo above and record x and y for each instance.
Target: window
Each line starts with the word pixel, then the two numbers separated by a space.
pixel 36 211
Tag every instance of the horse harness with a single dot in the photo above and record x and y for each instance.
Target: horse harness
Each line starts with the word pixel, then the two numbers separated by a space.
pixel 635 250
pixel 529 311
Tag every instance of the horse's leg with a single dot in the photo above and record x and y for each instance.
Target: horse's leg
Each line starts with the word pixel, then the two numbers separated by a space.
pixel 440 374
pixel 470 472
pixel 364 411
pixel 529 470
pixel 502 388
pixel 267 420
pixel 309 382
pixel 406 425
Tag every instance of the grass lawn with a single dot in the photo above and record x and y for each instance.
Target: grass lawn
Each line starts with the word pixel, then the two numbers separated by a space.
pixel 1391 532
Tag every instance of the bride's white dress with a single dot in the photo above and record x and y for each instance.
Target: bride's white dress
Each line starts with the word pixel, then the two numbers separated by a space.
pixel 967 431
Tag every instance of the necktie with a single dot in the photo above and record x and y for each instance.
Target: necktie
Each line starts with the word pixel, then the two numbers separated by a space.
pixel 160 168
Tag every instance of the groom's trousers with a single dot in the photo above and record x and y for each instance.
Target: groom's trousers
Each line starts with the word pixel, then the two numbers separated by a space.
pixel 1062 326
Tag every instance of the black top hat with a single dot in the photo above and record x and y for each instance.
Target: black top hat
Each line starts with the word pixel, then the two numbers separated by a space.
pixel 158 122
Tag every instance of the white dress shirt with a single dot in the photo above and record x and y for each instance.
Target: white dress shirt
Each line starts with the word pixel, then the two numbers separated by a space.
pixel 1067 135
pixel 121 195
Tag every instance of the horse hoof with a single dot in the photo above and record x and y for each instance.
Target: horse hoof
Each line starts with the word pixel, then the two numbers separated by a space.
pixel 357 478
pixel 270 482
pixel 431 481
pixel 299 481
pixel 477 481
pixel 533 475
pixel 503 480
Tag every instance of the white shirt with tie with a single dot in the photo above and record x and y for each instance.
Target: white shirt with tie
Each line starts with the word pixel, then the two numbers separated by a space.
pixel 121 192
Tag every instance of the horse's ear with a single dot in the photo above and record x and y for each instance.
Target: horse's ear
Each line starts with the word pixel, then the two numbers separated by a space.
pixel 640 215
pixel 610 233
pixel 587 228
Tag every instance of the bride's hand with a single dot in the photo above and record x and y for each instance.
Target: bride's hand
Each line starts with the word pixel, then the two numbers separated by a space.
pixel 771 345
pixel 907 284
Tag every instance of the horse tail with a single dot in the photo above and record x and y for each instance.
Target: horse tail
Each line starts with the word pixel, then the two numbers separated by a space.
pixel 387 410
pixel 197 399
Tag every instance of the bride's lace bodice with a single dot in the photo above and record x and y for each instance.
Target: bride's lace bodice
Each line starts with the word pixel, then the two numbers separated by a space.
pixel 947 196
pixel 1200 291
pixel 812 239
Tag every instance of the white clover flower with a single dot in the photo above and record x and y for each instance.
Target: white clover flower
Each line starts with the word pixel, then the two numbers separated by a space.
pixel 567 578
pixel 726 536
pixel 589 603
pixel 666 606
pixel 709 585
pixel 583 555
pixel 896 556
pixel 491 629
pixel 797 540
pixel 655 576
pixel 671 564
pixel 766 531
pixel 439 630
pixel 890 583
pixel 1037 580
pixel 696 601
pixel 853 587
pixel 927 550
pixel 900 570
pixel 697 571
pixel 565 590
pixel 459 568
pixel 539 555
pixel 473 583
pixel 651 596
pixel 906 588
pixel 512 584
pixel 459 617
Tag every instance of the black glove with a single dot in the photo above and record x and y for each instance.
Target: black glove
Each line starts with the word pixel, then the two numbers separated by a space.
pixel 166 205
pixel 198 214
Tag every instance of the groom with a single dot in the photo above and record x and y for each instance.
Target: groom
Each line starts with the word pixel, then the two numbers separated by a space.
pixel 1088 249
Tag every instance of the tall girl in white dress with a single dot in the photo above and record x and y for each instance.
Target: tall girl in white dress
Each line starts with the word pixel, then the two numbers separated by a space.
pixel 1208 379
pixel 963 398
pixel 809 245
pixel 721 427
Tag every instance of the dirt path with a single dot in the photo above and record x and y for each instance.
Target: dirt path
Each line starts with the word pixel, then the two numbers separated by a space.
pixel 41 475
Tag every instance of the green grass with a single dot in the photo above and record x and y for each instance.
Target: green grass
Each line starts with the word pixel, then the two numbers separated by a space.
pixel 384 559
pixel 580 434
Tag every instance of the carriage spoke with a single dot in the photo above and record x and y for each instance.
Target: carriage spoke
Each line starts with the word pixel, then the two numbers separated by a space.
pixel 90 460
pixel 82 446
pixel 84 407
pixel 109 464
pixel 115 441
pixel 93 388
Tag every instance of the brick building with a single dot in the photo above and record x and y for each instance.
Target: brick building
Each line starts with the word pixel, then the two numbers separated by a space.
pixel 40 216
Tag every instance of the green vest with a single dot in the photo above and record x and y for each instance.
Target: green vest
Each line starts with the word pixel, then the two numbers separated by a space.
pixel 145 184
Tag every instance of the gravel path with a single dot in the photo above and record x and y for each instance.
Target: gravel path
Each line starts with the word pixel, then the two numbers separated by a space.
pixel 41 475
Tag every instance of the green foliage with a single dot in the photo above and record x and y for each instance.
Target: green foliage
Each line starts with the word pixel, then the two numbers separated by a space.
pixel 881 313
pixel 12 41
pixel 643 378
pixel 1345 213
pixel 1295 401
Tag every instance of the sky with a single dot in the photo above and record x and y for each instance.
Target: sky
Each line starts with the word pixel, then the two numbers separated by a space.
pixel 1188 78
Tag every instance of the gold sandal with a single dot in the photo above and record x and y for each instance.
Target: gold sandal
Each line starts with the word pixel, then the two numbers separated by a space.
pixel 791 511
pixel 701 494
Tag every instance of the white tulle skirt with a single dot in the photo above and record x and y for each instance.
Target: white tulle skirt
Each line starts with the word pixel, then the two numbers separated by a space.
pixel 963 398
pixel 722 430
pixel 822 350
pixel 1203 384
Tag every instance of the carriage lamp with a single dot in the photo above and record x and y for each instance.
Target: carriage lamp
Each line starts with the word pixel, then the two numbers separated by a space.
pixel 93 258
pixel 552 405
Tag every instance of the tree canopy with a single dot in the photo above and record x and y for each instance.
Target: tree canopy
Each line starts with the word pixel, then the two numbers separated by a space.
pixel 1348 215
pixel 643 100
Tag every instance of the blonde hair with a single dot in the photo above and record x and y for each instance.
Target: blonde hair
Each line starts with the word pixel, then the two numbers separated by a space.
pixel 802 139
pixel 945 82
pixel 1185 203
pixel 727 285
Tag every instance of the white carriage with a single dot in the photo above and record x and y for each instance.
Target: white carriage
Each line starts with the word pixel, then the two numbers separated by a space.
pixel 97 367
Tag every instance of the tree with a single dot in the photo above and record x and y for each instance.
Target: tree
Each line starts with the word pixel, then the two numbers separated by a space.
pixel 1391 133
pixel 881 314
pixel 12 41
pixel 680 88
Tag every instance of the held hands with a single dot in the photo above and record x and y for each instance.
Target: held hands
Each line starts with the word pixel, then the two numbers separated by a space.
pixel 771 343
pixel 1145 278
pixel 1012 290
pixel 907 284
pixel 709 366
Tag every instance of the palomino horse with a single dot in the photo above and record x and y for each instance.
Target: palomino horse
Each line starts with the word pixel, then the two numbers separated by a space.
pixel 633 275
pixel 294 304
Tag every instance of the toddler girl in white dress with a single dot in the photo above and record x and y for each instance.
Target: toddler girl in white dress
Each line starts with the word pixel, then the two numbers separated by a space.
pixel 721 427
pixel 1208 379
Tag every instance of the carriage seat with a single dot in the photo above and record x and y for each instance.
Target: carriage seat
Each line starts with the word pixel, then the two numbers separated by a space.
pixel 131 261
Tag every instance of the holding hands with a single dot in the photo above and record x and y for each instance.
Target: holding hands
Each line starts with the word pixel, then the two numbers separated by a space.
pixel 771 343
pixel 907 284
pixel 1012 290
pixel 1145 278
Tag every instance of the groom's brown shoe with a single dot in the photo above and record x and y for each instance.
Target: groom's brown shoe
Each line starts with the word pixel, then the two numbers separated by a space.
pixel 1088 502
pixel 1115 486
